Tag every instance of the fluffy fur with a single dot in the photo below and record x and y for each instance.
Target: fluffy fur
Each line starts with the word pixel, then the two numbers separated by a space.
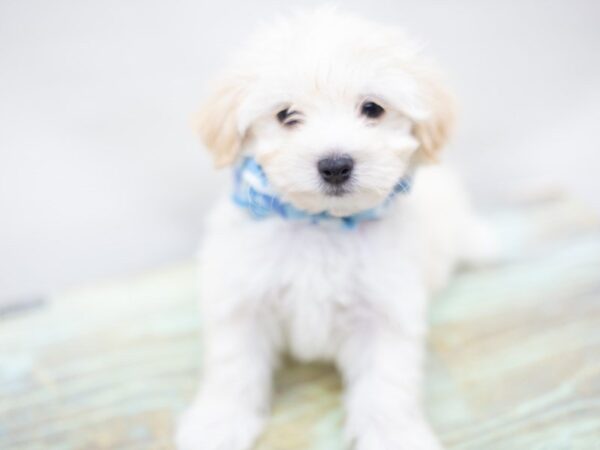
pixel 354 297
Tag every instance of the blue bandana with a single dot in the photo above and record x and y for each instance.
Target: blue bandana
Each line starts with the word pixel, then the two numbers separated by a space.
pixel 253 192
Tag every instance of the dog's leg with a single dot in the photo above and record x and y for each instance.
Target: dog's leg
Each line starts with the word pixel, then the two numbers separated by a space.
pixel 233 401
pixel 381 367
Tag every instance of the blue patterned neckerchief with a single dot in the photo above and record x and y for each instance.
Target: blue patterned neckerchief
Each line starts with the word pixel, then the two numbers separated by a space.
pixel 253 192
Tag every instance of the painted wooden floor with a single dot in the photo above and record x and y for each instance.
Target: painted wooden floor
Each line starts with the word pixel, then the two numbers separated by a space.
pixel 514 356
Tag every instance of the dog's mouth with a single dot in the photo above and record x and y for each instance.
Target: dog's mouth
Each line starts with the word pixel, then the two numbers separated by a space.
pixel 337 191
pixel 344 189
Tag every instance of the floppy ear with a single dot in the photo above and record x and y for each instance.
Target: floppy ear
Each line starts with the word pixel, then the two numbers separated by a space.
pixel 217 121
pixel 433 131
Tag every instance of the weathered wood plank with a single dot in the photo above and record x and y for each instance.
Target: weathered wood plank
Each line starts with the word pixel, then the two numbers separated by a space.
pixel 514 361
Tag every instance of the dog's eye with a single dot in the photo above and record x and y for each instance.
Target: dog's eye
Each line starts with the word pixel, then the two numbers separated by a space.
pixel 282 115
pixel 371 110
pixel 288 118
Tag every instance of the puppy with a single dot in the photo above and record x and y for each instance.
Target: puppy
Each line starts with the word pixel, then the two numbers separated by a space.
pixel 337 232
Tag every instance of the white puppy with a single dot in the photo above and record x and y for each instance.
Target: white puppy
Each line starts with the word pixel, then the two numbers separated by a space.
pixel 326 251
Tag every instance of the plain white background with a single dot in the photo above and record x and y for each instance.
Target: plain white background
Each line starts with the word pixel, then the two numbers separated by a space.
pixel 101 175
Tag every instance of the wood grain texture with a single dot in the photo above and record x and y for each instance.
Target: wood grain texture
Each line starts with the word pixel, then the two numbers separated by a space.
pixel 514 356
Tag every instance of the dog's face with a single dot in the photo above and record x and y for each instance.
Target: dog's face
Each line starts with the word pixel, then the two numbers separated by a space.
pixel 334 108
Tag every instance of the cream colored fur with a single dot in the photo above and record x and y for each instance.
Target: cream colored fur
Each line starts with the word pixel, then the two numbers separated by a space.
pixel 354 297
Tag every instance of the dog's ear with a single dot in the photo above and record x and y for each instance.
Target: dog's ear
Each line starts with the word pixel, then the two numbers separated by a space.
pixel 217 120
pixel 433 131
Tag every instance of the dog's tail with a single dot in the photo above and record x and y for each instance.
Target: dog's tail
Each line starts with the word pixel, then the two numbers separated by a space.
pixel 523 228
pixel 481 242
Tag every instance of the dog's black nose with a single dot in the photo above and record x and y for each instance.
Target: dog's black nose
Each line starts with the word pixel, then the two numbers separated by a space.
pixel 336 169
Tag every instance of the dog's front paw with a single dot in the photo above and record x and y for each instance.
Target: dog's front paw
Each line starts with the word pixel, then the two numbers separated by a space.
pixel 205 428
pixel 416 436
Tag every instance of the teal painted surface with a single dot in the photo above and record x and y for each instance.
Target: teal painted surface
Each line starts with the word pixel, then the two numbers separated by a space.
pixel 514 356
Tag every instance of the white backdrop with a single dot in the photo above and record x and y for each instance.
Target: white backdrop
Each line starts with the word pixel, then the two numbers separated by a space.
pixel 101 175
